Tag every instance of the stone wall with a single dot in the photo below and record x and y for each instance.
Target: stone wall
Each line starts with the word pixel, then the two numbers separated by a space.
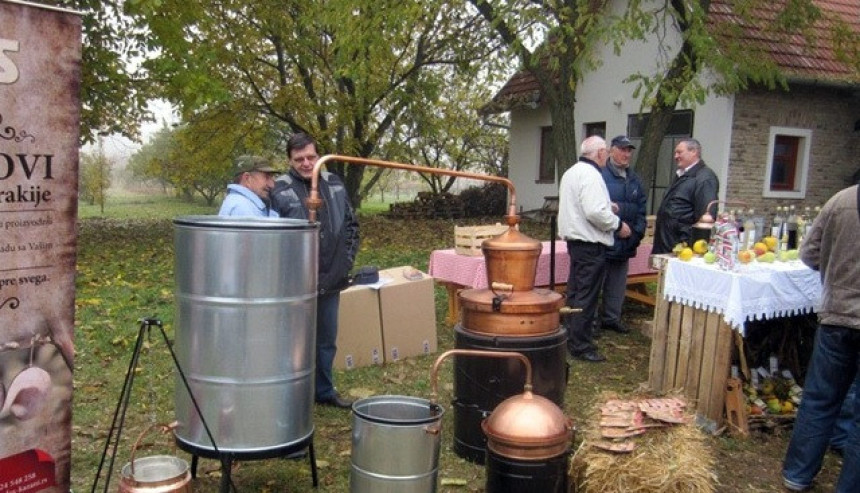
pixel 829 113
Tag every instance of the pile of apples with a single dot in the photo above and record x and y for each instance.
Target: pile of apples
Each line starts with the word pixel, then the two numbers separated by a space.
pixel 765 251
pixel 778 394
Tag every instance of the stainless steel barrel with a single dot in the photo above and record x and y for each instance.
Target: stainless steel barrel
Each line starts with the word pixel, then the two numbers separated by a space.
pixel 245 337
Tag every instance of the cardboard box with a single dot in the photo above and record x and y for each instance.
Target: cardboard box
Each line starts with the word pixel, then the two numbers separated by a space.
pixel 408 314
pixel 359 332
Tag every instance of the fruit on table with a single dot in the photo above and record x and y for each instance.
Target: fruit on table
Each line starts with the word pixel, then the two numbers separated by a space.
pixel 774 406
pixel 760 248
pixel 680 246
pixel 710 257
pixel 784 256
pixel 700 246
pixel 787 407
pixel 745 256
pixel 793 254
pixel 685 254
pixel 768 257
pixel 771 242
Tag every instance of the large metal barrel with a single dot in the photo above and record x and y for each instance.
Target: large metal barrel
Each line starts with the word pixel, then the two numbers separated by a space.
pixel 481 384
pixel 245 318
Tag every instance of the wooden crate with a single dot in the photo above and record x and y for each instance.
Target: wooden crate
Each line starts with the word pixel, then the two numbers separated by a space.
pixel 691 351
pixel 468 239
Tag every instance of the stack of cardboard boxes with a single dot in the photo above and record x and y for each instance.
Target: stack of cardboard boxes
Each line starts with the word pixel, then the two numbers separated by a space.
pixel 389 321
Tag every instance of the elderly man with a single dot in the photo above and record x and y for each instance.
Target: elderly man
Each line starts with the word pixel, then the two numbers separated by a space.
pixel 830 248
pixel 693 187
pixel 248 195
pixel 337 249
pixel 587 223
pixel 628 202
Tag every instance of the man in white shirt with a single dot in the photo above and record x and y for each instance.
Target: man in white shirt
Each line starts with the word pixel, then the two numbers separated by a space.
pixel 587 223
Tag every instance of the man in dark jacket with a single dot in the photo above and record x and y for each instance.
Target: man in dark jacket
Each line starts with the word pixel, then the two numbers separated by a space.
pixel 686 198
pixel 628 202
pixel 338 246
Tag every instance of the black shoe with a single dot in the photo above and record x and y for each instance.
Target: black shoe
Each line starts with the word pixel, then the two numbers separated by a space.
pixel 591 357
pixel 336 401
pixel 617 327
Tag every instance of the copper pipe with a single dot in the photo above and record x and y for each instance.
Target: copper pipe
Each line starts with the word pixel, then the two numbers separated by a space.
pixel 434 394
pixel 707 220
pixel 314 202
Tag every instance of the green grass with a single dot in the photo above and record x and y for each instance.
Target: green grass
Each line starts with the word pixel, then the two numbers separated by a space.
pixel 128 205
pixel 125 272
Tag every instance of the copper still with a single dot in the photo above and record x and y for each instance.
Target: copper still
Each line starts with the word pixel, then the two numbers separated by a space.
pixel 511 306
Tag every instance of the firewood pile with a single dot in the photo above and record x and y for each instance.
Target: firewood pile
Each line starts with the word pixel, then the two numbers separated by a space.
pixel 429 206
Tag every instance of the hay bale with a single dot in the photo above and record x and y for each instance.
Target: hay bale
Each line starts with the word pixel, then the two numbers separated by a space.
pixel 669 460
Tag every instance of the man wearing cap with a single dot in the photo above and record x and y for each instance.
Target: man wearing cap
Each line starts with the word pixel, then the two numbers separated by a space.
pixel 587 223
pixel 338 247
pixel 628 202
pixel 248 195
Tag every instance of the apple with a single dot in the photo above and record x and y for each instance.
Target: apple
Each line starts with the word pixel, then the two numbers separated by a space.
pixel 793 254
pixel 768 257
pixel 745 256
pixel 760 249
pixel 784 256
pixel 710 257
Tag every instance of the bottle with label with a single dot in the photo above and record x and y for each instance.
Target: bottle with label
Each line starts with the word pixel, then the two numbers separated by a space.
pixel 750 230
pixel 776 224
pixel 791 229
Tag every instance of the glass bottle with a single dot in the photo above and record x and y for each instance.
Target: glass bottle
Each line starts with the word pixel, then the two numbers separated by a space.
pixel 776 224
pixel 791 229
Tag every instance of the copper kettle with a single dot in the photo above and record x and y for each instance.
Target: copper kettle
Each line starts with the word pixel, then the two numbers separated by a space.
pixel 525 426
pixel 156 473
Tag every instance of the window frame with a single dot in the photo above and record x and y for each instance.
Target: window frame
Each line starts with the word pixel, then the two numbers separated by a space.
pixel 801 166
pixel 546 145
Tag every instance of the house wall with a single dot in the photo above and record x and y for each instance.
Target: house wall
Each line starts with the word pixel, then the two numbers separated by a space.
pixel 603 97
pixel 830 115
pixel 524 142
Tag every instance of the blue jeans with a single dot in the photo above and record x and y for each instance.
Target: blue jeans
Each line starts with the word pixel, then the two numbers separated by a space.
pixel 845 422
pixel 327 306
pixel 831 372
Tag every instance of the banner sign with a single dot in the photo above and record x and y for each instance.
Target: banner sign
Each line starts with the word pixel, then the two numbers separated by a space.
pixel 40 73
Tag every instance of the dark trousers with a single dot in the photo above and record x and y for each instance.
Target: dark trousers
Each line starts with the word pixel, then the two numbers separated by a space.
pixel 832 368
pixel 587 266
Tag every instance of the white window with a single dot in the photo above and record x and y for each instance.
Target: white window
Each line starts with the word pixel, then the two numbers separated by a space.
pixel 787 163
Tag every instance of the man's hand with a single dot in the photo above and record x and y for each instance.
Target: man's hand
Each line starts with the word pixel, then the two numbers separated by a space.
pixel 624 232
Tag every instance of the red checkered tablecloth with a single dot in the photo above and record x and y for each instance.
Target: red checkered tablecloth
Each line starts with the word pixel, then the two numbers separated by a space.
pixel 471 272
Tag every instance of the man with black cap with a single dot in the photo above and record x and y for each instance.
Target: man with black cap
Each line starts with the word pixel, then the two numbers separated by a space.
pixel 248 195
pixel 628 202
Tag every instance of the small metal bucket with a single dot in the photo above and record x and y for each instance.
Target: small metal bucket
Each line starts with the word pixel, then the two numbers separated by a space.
pixel 156 473
pixel 395 445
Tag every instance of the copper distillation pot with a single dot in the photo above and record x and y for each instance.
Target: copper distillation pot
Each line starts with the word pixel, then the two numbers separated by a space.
pixel 511 306
pixel 528 436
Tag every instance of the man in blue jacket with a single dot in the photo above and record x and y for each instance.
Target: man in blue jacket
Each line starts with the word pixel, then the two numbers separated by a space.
pixel 248 195
pixel 628 202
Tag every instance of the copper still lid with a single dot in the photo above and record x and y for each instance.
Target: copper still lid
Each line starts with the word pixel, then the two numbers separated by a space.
pixel 517 313
pixel 512 240
pixel 529 427
pixel 511 258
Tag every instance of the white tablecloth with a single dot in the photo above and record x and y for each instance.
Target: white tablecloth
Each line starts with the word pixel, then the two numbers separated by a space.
pixel 753 291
